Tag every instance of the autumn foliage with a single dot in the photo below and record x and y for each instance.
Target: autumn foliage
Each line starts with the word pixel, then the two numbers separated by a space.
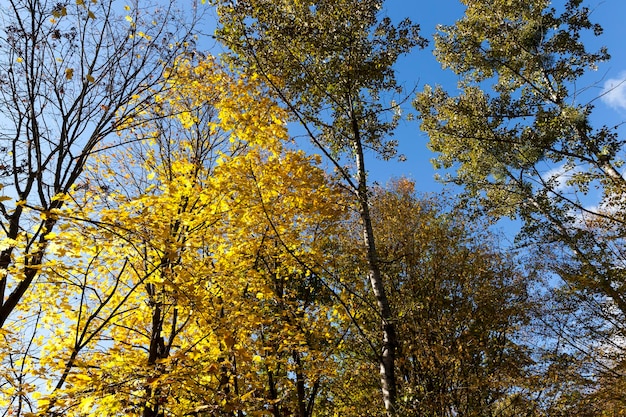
pixel 169 246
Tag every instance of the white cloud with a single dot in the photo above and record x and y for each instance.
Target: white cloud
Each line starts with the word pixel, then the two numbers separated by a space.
pixel 559 176
pixel 614 92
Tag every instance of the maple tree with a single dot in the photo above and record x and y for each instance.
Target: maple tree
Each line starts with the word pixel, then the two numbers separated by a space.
pixel 184 291
pixel 69 73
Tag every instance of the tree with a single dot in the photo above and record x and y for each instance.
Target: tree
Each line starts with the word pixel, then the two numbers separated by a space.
pixel 462 308
pixel 187 291
pixel 330 63
pixel 525 146
pixel 69 72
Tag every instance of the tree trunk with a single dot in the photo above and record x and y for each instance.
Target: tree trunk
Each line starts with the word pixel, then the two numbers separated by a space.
pixel 387 356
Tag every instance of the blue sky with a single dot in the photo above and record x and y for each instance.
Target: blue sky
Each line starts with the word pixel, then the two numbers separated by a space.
pixel 421 68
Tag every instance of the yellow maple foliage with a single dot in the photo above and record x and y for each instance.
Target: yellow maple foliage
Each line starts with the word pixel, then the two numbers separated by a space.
pixel 184 276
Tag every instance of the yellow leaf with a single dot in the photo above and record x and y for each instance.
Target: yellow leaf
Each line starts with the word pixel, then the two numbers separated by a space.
pixel 5 244
pixel 91 15
pixel 90 78
pixel 69 73
pixel 43 402
pixel 5 198
pixel 80 2
pixel 79 377
pixel 86 404
pixel 59 196
pixel 249 394
pixel 130 19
